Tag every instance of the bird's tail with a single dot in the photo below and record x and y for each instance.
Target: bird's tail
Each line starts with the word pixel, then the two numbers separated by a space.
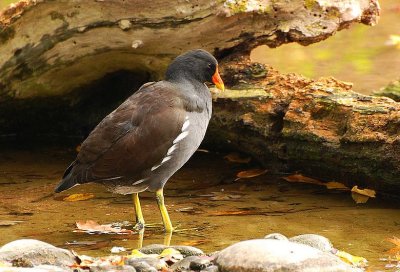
pixel 68 180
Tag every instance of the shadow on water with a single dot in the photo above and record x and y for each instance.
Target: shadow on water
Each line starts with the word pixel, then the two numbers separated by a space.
pixel 203 197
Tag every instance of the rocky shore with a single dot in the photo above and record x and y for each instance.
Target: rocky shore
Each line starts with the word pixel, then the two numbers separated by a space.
pixel 307 252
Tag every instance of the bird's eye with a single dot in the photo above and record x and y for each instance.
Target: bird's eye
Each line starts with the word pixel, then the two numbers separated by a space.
pixel 209 65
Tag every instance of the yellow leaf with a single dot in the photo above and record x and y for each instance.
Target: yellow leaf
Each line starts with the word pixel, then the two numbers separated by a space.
pixel 361 195
pixel 236 157
pixel 137 254
pixel 366 192
pixel 168 252
pixel 336 185
pixel 359 199
pixel 304 179
pixel 353 260
pixel 251 173
pixel 78 197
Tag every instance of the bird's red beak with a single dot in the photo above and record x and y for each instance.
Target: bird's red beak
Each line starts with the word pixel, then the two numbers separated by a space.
pixel 216 79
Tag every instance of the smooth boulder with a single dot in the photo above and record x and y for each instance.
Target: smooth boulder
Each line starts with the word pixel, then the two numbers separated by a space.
pixel 270 255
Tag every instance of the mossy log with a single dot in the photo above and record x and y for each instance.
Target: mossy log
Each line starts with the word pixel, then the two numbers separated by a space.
pixel 318 127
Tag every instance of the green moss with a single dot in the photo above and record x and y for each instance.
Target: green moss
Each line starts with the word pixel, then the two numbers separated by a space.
pixel 392 91
pixel 310 4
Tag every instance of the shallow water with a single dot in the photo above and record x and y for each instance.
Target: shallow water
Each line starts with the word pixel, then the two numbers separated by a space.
pixel 203 195
pixel 359 54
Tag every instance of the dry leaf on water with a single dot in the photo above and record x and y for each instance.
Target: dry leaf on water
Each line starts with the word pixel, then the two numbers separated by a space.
pixel 92 227
pixel 224 196
pixel 336 185
pixel 236 157
pixel 251 173
pixel 396 250
pixel 78 197
pixel 303 179
pixel 361 195
pixel 331 185
pixel 195 242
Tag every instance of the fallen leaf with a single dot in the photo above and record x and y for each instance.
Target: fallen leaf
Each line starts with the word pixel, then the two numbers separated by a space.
pixel 351 259
pixel 195 242
pixel 78 148
pixel 236 157
pixel 336 185
pixel 78 197
pixel 251 173
pixel 92 227
pixel 361 195
pixel 8 223
pixel 136 254
pixel 303 179
pixel 396 250
pixel 224 196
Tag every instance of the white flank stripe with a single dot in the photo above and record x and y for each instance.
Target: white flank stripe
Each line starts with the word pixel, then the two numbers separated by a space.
pixel 180 137
pixel 171 149
pixel 165 159
pixel 139 181
pixel 185 125
pixel 155 167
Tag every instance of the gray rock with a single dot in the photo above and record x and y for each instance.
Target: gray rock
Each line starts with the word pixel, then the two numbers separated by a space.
pixel 183 265
pixel 212 268
pixel 195 263
pixel 112 268
pixel 313 240
pixel 145 264
pixel 188 250
pixel 276 236
pixel 199 263
pixel 29 253
pixel 269 255
pixel 184 250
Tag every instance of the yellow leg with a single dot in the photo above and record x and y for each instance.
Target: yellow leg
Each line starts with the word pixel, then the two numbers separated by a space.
pixel 138 212
pixel 164 213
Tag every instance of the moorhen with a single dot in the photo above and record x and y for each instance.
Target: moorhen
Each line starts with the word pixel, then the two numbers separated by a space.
pixel 151 135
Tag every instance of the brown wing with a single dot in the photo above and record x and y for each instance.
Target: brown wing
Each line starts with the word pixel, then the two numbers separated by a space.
pixel 133 138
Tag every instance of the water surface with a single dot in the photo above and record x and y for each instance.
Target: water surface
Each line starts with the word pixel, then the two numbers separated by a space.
pixel 203 195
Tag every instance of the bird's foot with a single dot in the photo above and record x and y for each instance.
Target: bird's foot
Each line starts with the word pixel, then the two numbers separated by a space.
pixel 139 226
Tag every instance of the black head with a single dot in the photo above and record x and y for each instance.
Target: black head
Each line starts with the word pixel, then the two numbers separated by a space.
pixel 196 65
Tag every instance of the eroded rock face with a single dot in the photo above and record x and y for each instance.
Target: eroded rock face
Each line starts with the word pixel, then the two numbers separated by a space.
pixel 319 127
pixel 268 255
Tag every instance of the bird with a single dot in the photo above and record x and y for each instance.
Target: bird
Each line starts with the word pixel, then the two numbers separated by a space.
pixel 151 135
